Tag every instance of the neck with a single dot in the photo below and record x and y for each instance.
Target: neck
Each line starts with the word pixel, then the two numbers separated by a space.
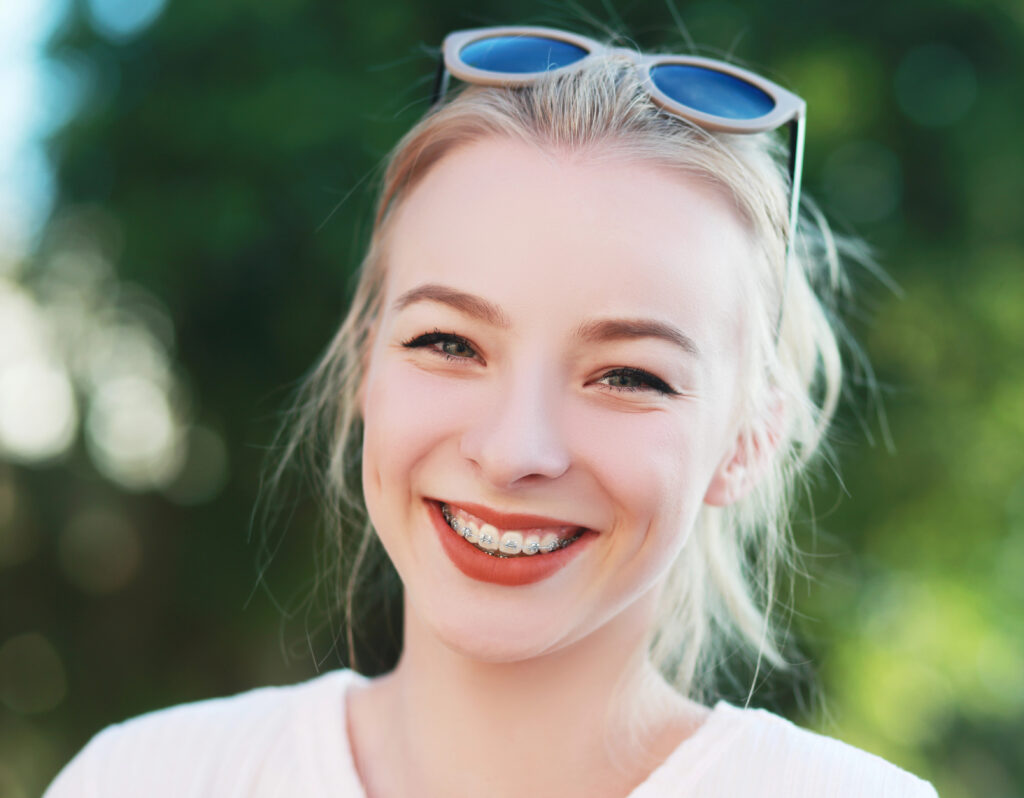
pixel 591 718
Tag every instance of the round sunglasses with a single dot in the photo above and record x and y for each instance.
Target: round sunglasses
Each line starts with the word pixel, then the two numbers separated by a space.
pixel 713 94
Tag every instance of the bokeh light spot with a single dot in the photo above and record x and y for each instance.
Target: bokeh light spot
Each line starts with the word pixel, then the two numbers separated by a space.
pixel 121 351
pixel 935 85
pixel 122 19
pixel 38 416
pixel 31 674
pixel 100 551
pixel 22 327
pixel 843 85
pixel 132 434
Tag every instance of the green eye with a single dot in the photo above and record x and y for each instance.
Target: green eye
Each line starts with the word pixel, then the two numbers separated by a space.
pixel 631 379
pixel 456 348
pixel 450 345
pixel 623 381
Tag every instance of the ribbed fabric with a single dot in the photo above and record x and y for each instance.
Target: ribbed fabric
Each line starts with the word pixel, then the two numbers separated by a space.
pixel 291 742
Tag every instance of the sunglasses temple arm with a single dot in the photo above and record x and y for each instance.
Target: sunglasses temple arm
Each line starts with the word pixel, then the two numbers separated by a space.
pixel 440 83
pixel 796 169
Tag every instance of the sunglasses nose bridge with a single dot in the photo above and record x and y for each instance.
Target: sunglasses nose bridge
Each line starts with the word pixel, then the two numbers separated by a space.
pixel 625 54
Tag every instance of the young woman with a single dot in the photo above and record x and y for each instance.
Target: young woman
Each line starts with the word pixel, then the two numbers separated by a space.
pixel 582 372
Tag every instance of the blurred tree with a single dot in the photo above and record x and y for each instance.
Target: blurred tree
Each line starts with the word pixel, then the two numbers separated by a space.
pixel 216 177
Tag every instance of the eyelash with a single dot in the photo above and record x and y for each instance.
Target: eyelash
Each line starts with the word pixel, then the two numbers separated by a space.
pixel 647 381
pixel 431 339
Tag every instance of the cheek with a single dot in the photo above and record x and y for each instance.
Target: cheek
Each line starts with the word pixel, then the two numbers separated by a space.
pixel 406 418
pixel 656 468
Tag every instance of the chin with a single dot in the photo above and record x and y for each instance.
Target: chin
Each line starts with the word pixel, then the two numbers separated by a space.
pixel 474 634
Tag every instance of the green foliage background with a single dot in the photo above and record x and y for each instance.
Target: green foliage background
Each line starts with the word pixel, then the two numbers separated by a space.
pixel 227 158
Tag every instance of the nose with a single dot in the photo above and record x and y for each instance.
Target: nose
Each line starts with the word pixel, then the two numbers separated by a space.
pixel 518 436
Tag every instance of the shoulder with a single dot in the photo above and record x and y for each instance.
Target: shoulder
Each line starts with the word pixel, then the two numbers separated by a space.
pixel 770 755
pixel 186 749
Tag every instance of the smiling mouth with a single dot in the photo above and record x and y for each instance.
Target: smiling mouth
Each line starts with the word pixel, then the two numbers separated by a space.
pixel 508 543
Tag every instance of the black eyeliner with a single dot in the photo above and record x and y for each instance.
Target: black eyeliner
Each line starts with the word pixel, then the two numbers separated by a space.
pixel 648 379
pixel 435 337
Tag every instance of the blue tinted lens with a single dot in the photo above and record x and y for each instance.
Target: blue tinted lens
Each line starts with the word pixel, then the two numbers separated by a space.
pixel 520 54
pixel 712 92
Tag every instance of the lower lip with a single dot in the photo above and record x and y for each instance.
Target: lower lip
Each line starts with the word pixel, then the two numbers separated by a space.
pixel 511 571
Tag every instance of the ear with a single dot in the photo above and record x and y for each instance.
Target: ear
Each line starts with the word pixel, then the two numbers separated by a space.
pixel 748 459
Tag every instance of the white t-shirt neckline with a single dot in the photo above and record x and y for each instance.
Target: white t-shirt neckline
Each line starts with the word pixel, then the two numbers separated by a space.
pixel 329 748
pixel 280 742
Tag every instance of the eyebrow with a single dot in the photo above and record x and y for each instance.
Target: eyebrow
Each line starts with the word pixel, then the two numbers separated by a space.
pixel 599 331
pixel 470 304
pixel 617 329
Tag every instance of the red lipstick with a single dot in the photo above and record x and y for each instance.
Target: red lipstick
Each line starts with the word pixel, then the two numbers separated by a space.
pixel 509 571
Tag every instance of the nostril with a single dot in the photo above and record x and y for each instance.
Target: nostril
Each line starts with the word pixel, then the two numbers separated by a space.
pixel 517 443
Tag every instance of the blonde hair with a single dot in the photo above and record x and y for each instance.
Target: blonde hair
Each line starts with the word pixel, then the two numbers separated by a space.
pixel 722 592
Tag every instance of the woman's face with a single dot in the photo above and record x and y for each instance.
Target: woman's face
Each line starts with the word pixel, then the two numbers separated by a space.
pixel 556 360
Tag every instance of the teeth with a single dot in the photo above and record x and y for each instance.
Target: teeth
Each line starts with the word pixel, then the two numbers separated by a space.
pixel 504 544
pixel 466 530
pixel 488 538
pixel 511 543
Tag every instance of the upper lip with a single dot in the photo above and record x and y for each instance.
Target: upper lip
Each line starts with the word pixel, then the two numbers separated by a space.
pixel 502 520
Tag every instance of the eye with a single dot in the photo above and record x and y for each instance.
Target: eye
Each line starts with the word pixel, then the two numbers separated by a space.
pixel 633 379
pixel 448 345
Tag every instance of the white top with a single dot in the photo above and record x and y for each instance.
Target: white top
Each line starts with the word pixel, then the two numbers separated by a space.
pixel 292 742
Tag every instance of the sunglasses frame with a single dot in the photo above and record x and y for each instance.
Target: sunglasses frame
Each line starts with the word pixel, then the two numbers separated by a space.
pixel 789 109
pixel 787 105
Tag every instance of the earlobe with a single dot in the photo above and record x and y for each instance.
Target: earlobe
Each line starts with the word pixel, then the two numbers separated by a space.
pixel 731 481
pixel 749 460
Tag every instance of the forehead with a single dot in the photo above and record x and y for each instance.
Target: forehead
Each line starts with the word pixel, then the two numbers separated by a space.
pixel 593 233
